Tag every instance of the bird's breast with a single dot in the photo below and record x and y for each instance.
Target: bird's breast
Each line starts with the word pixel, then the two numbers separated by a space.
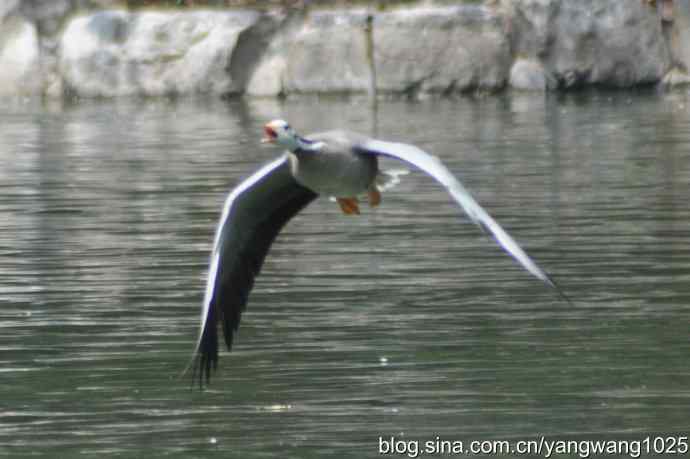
pixel 334 174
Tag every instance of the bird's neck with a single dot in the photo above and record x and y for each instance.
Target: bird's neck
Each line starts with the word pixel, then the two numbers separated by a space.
pixel 298 143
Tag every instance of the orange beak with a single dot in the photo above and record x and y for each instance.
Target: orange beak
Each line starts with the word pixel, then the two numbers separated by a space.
pixel 270 135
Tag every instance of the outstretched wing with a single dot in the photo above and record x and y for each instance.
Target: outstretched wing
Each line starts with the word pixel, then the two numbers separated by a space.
pixel 254 213
pixel 433 166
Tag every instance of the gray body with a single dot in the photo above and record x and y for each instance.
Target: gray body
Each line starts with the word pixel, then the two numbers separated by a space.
pixel 336 169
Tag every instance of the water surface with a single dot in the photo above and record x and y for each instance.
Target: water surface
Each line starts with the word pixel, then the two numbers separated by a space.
pixel 405 321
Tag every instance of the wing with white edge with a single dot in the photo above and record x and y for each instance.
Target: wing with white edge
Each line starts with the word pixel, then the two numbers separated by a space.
pixel 253 215
pixel 433 166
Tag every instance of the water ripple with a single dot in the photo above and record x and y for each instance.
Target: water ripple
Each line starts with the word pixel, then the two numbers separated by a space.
pixel 406 320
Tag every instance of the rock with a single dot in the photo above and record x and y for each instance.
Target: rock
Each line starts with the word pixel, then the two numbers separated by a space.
pixel 7 7
pixel 328 54
pixel 676 77
pixel 258 63
pixel 605 42
pixel 116 53
pixel 267 79
pixel 411 50
pixel 47 18
pixel 19 57
pixel 48 15
pixel 440 49
pixel 324 52
pixel 680 35
pixel 529 75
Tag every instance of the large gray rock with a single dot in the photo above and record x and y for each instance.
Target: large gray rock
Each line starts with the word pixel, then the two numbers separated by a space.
pixel 7 7
pixel 116 53
pixel 679 39
pixel 328 54
pixel 324 52
pixel 415 51
pixel 48 15
pixel 440 49
pixel 266 62
pixel 608 42
pixel 251 53
pixel 19 57
pixel 529 75
pixel 677 77
pixel 268 77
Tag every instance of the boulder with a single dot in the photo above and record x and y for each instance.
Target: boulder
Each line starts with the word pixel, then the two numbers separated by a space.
pixel 440 49
pixel 407 50
pixel 20 73
pixel 116 53
pixel 323 52
pixel 328 54
pixel 606 42
pixel 48 15
pixel 255 52
pixel 529 75
pixel 676 77
pixel 267 80
pixel 680 36
pixel 7 7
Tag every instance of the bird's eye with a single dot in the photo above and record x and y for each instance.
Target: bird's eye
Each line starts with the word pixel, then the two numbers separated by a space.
pixel 287 126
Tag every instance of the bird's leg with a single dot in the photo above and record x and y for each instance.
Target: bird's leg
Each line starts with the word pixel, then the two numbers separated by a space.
pixel 374 196
pixel 348 205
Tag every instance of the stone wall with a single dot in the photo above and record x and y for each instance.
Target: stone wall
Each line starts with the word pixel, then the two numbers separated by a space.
pixel 83 48
pixel 583 42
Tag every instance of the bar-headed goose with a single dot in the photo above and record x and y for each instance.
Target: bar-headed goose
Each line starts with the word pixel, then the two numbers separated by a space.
pixel 334 163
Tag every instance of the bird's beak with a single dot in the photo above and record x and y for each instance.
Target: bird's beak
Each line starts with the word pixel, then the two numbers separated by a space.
pixel 270 135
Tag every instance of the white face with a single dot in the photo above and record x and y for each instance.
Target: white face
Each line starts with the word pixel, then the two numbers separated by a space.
pixel 278 131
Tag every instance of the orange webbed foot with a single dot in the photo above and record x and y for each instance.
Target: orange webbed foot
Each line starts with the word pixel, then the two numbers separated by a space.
pixel 374 196
pixel 348 205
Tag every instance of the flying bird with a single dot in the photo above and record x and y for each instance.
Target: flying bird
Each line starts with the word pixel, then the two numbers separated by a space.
pixel 335 163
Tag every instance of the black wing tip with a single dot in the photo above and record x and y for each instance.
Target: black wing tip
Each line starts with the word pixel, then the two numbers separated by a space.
pixel 205 360
pixel 565 297
pixel 559 291
pixel 203 365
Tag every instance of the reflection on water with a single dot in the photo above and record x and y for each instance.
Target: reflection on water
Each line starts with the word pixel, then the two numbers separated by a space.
pixel 403 321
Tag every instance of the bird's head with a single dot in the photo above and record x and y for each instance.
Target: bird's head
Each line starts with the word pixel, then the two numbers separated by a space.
pixel 278 131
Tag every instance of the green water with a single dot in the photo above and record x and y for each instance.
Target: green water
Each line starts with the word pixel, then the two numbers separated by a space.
pixel 405 321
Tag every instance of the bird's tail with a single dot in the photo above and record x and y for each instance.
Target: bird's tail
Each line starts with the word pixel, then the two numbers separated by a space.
pixel 386 180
